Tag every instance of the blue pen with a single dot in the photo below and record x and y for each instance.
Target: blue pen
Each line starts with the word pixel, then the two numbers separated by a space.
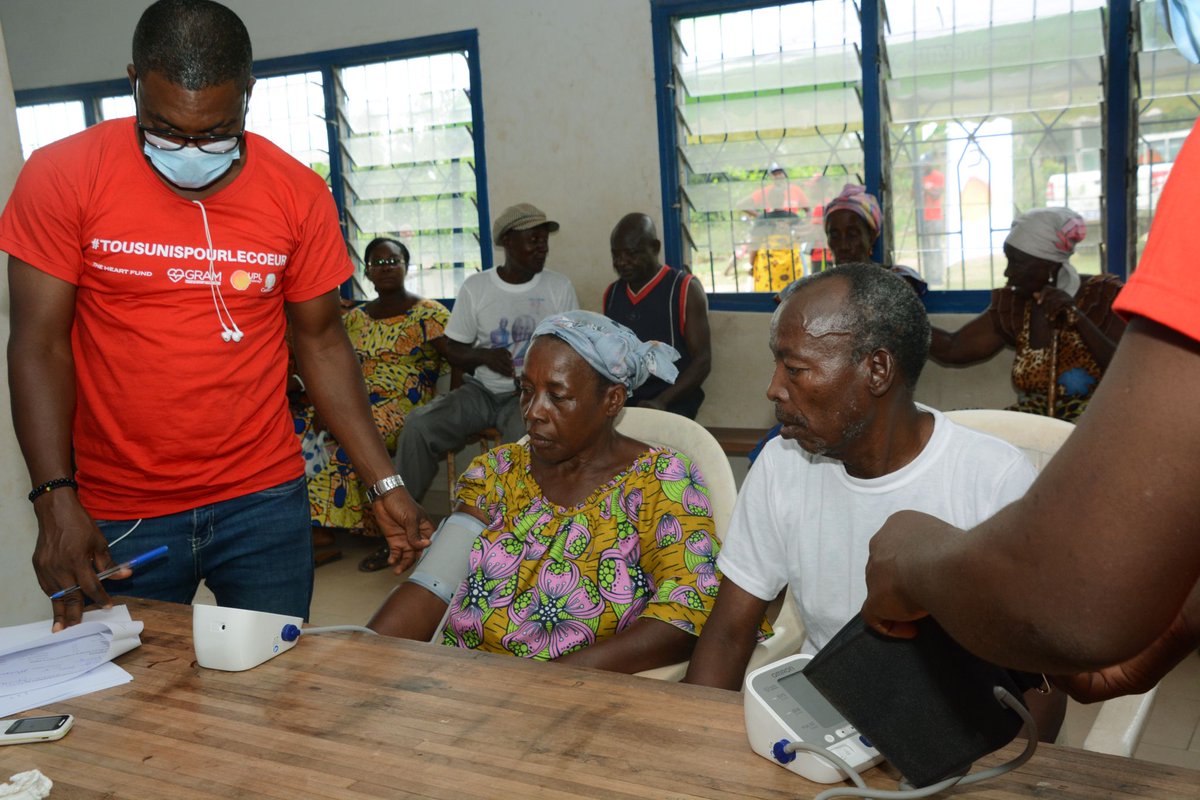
pixel 157 552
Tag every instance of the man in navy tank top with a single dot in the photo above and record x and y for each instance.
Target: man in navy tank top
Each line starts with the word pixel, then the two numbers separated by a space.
pixel 660 303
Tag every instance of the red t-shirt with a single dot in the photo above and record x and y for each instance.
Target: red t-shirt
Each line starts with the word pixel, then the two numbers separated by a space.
pixel 933 185
pixel 773 198
pixel 169 416
pixel 1166 285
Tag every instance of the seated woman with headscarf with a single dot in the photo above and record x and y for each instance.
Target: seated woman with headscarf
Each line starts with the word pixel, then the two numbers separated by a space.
pixel 576 543
pixel 853 221
pixel 1063 328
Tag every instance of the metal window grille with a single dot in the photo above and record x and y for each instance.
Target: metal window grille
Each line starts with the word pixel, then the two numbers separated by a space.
pixel 289 110
pixel 769 115
pixel 408 155
pixel 43 123
pixel 1167 99
pixel 995 109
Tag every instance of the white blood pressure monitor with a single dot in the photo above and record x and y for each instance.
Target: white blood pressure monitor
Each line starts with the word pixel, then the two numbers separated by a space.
pixel 783 707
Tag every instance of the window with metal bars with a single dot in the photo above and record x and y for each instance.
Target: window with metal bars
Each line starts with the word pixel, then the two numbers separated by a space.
pixel 993 109
pixel 1167 104
pixel 406 128
pixel 971 113
pixel 409 164
pixel 769 114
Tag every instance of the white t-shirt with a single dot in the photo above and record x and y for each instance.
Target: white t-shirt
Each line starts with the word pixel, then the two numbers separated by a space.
pixel 490 313
pixel 800 519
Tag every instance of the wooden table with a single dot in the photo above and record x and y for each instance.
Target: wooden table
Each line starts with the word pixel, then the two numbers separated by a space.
pixel 353 716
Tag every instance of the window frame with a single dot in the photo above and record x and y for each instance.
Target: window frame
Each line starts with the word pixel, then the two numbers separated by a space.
pixel 1118 243
pixel 327 62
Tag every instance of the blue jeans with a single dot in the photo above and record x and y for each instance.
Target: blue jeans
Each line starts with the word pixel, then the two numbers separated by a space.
pixel 253 552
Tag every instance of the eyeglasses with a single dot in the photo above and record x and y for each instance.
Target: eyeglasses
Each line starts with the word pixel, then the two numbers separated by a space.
pixel 170 140
pixel 387 263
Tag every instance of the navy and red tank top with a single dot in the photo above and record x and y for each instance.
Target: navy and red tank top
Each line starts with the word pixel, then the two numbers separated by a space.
pixel 657 312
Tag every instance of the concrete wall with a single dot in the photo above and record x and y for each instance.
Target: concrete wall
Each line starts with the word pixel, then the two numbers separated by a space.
pixel 21 600
pixel 569 110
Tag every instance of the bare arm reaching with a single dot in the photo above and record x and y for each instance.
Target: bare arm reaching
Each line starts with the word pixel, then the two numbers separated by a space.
pixel 1096 562
pixel 333 378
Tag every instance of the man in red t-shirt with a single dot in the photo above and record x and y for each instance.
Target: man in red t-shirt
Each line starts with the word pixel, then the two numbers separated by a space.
pixel 1093 574
pixel 151 264
pixel 932 226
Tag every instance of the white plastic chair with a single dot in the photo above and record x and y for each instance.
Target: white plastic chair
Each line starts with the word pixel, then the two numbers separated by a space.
pixel 1118 727
pixel 690 438
pixel 1036 436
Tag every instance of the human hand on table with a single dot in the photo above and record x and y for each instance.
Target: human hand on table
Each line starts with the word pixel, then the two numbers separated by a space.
pixel 70 550
pixel 405 525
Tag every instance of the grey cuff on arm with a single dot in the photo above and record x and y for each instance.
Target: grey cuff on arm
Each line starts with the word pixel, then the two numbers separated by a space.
pixel 446 562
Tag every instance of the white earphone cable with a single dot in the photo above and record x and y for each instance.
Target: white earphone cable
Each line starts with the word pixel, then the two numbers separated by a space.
pixel 235 334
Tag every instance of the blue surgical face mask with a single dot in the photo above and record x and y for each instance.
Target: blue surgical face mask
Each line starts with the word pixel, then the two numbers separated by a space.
pixel 190 167
pixel 1181 18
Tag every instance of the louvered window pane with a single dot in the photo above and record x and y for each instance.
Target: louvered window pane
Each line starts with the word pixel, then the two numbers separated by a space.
pixel 289 110
pixel 994 109
pixel 408 151
pixel 116 107
pixel 1168 102
pixel 43 123
pixel 771 87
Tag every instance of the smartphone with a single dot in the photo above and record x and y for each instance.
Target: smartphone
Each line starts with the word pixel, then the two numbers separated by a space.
pixel 35 729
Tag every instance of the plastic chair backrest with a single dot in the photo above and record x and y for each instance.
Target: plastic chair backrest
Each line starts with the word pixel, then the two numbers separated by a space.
pixel 1036 436
pixel 694 441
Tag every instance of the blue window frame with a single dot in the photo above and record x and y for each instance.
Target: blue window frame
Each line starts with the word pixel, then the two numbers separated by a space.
pixel 403 158
pixel 1048 106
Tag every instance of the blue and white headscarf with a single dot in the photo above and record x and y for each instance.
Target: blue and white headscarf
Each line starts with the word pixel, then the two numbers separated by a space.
pixel 612 349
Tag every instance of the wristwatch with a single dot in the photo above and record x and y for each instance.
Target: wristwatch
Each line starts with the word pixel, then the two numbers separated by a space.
pixel 383 486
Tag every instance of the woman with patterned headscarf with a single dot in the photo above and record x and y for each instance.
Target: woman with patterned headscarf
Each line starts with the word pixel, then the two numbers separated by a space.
pixel 1062 327
pixel 853 221
pixel 576 543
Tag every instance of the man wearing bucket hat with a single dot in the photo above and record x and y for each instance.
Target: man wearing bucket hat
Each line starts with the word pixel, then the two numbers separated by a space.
pixel 489 330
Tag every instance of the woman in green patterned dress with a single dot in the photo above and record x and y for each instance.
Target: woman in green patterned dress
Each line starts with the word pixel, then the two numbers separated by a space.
pixel 392 336
pixel 577 544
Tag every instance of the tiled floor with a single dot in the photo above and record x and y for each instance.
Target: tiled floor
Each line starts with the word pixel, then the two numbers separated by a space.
pixel 345 596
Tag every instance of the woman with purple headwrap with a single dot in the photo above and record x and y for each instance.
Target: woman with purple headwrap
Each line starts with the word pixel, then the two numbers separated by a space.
pixel 853 221
pixel 1062 327
pixel 586 545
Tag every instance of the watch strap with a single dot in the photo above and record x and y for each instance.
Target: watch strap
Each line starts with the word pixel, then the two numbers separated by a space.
pixel 383 486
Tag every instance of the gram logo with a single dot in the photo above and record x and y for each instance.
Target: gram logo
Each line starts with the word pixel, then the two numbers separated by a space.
pixel 175 274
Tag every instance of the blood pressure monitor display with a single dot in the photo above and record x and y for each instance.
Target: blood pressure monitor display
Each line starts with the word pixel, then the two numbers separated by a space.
pixel 782 706
pixel 808 698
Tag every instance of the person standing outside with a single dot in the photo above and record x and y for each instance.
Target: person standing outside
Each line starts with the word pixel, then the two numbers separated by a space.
pixel 932 223
pixel 152 263
pixel 660 303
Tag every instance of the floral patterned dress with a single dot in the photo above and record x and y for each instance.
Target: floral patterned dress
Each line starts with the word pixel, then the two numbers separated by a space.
pixel 401 368
pixel 547 580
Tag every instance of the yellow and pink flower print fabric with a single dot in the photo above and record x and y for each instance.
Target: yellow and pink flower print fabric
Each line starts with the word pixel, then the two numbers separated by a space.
pixel 547 580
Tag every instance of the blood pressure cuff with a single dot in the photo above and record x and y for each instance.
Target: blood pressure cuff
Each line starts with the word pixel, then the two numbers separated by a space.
pixel 926 704
pixel 446 562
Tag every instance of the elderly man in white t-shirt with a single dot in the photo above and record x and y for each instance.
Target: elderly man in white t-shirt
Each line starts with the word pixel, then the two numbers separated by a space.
pixel 849 345
pixel 488 333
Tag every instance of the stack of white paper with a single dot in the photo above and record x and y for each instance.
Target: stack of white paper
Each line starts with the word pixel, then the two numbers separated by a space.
pixel 38 667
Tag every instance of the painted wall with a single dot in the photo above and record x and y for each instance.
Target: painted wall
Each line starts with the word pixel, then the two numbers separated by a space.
pixel 22 600
pixel 569 107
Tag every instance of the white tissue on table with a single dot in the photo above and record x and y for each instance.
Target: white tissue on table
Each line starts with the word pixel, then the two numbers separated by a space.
pixel 32 785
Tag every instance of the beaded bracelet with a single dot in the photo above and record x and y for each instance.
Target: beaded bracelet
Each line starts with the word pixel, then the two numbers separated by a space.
pixel 50 486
